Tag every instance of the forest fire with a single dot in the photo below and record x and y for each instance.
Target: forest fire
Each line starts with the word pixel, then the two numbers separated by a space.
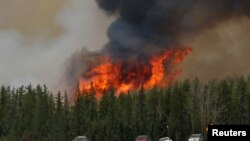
pixel 126 76
pixel 144 43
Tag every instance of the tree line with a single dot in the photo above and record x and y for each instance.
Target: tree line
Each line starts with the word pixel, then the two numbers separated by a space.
pixel 32 113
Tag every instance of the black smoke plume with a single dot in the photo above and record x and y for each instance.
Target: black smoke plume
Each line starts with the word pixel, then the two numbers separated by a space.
pixel 146 26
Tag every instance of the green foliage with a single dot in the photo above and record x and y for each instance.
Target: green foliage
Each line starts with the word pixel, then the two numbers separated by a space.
pixel 34 114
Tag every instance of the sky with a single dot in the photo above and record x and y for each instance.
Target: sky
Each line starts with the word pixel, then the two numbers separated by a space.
pixel 37 38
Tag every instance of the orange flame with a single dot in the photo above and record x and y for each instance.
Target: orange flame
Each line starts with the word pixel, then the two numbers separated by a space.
pixel 124 77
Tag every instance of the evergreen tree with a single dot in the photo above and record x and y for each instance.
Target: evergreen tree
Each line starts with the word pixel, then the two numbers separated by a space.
pixel 34 114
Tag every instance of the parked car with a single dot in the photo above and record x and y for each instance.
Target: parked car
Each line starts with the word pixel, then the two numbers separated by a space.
pixel 165 139
pixel 142 138
pixel 195 137
pixel 81 138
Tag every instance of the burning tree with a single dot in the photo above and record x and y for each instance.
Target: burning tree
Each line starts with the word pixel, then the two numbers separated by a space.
pixel 127 76
pixel 145 41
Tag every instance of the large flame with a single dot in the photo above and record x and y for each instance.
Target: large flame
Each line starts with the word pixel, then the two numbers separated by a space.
pixel 128 76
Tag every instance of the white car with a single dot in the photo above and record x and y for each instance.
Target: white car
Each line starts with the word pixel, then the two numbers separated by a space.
pixel 81 138
pixel 165 139
pixel 195 137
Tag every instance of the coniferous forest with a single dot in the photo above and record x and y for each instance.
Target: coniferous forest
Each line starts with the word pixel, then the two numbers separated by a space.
pixel 32 113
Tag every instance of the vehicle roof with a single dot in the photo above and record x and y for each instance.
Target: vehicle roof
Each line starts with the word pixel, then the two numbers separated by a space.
pixel 195 135
pixel 142 137
pixel 164 138
pixel 80 137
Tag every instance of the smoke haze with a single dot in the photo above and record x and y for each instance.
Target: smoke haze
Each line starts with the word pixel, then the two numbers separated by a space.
pixel 219 52
pixel 31 17
pixel 37 38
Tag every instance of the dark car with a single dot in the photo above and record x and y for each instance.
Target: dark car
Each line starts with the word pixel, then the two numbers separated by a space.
pixel 142 138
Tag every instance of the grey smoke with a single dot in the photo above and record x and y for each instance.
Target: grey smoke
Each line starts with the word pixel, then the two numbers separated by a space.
pixel 43 59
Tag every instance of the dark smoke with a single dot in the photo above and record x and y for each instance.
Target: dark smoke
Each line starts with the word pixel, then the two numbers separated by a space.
pixel 143 24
